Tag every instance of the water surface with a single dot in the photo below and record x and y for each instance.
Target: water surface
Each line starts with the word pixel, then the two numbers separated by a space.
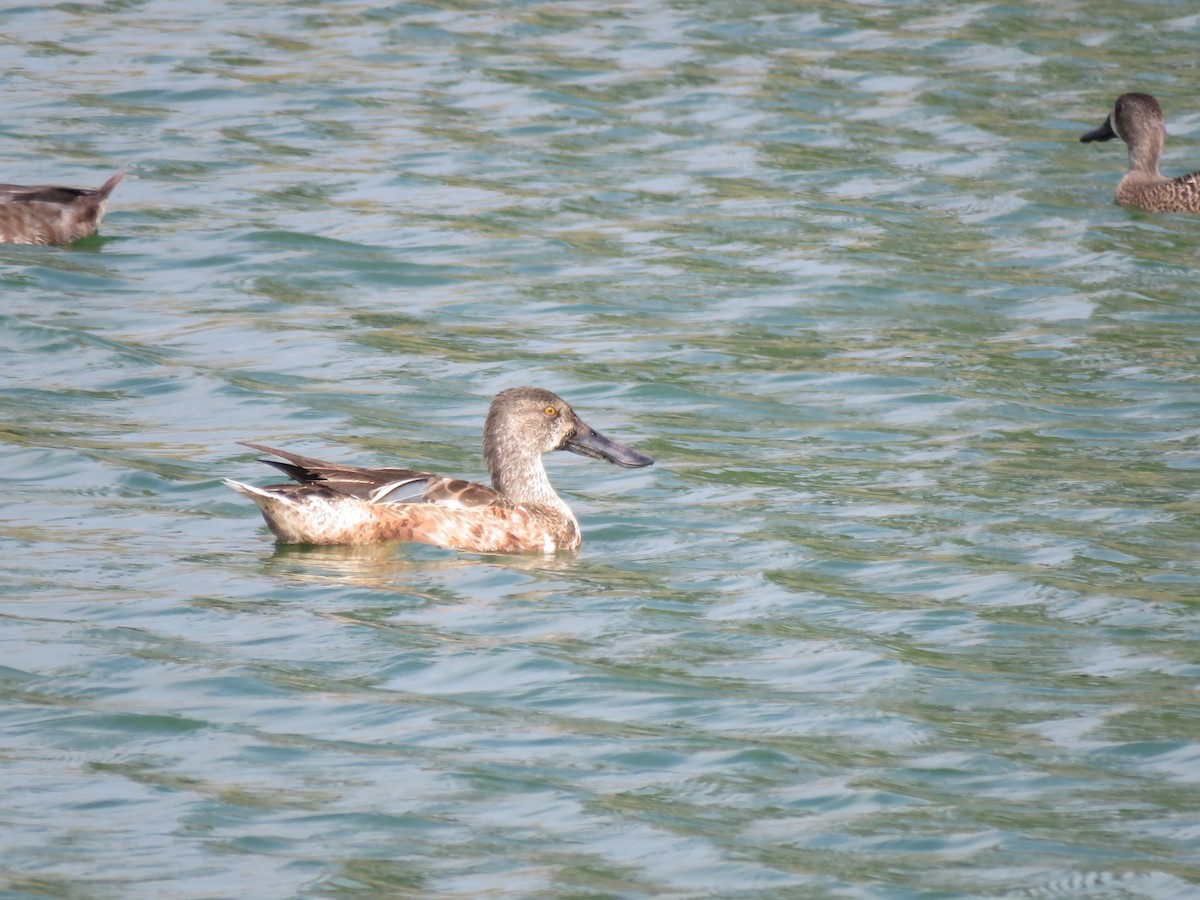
pixel 909 604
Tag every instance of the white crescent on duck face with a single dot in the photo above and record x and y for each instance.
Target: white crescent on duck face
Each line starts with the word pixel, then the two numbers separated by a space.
pixel 48 214
pixel 331 503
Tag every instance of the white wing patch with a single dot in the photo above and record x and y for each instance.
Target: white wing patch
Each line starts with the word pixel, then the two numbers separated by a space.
pixel 407 490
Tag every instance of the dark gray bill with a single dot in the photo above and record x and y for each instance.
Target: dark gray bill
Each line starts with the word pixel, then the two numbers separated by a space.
pixel 588 442
pixel 1103 133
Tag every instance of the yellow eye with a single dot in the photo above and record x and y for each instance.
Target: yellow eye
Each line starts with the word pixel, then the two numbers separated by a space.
pixel 550 411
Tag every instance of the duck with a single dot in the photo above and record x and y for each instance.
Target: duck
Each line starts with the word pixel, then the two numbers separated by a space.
pixel 332 503
pixel 1137 119
pixel 49 214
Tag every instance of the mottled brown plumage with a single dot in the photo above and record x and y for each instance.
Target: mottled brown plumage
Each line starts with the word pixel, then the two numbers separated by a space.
pixel 330 503
pixel 1137 119
pixel 46 214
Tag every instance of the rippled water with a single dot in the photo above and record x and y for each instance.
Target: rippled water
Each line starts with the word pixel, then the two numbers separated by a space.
pixel 909 605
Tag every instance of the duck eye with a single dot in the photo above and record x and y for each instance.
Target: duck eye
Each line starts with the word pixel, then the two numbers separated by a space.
pixel 550 411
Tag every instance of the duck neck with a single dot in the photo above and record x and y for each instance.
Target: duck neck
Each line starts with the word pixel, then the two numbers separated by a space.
pixel 520 475
pixel 1144 156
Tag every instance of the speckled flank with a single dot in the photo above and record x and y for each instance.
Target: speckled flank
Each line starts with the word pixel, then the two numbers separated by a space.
pixel 45 214
pixel 1180 194
pixel 1138 120
pixel 331 503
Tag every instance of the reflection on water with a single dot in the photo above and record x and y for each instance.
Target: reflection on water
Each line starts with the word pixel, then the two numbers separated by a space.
pixel 906 606
pixel 392 566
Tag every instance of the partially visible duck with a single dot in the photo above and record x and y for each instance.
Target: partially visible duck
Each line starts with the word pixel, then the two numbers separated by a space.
pixel 1137 119
pixel 339 504
pixel 47 214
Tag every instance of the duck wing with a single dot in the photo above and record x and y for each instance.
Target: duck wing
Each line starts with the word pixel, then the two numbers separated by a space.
pixel 53 193
pixel 16 193
pixel 377 486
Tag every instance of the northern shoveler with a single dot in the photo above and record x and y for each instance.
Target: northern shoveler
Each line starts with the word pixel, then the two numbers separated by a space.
pixel 1137 119
pixel 337 504
pixel 46 214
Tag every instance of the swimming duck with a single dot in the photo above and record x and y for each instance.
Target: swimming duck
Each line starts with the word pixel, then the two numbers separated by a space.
pixel 1137 119
pixel 46 214
pixel 339 504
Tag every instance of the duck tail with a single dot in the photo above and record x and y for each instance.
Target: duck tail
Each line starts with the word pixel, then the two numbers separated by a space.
pixel 257 494
pixel 107 188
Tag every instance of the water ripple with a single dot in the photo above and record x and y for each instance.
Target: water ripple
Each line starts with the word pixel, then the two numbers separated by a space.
pixel 906 606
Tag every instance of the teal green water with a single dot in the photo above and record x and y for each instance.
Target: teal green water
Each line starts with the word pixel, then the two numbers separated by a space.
pixel 909 606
